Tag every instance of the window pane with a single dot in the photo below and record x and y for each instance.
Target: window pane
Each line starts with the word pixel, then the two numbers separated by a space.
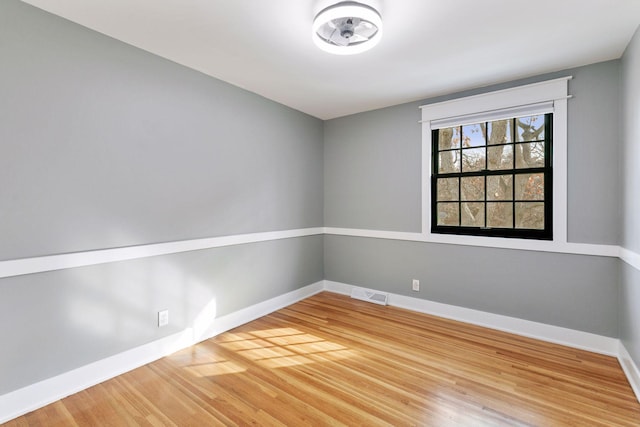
pixel 491 178
pixel 472 188
pixel 500 132
pixel 500 215
pixel 530 186
pixel 530 128
pixel 448 214
pixel 473 159
pixel 530 155
pixel 500 187
pixel 500 157
pixel 447 189
pixel 448 138
pixel 472 215
pixel 449 161
pixel 530 215
pixel 473 136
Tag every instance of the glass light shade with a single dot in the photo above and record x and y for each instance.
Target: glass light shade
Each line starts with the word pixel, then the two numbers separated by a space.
pixel 326 21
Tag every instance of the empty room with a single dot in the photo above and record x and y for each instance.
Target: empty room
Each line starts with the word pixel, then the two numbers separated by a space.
pixel 319 212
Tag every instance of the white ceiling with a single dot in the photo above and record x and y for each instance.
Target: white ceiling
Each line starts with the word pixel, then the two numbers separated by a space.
pixel 429 48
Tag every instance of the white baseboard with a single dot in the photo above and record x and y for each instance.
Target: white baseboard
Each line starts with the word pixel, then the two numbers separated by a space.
pixel 245 315
pixel 630 369
pixel 34 396
pixel 555 334
pixel 337 287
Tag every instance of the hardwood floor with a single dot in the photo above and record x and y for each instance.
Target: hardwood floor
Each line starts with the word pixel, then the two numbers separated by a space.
pixel 331 360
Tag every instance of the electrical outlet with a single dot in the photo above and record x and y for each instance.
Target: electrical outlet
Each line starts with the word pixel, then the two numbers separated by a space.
pixel 163 318
pixel 415 285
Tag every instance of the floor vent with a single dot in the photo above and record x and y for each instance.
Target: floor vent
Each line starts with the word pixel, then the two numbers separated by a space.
pixel 370 296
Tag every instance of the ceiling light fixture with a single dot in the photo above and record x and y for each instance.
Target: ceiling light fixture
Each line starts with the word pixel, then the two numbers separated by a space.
pixel 347 28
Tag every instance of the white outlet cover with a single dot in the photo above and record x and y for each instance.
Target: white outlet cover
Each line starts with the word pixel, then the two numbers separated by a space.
pixel 415 285
pixel 163 318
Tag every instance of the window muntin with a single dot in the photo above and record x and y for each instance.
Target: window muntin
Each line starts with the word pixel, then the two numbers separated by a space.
pixel 493 178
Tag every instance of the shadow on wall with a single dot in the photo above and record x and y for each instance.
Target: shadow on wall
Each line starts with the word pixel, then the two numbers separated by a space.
pixel 122 304
pixel 66 319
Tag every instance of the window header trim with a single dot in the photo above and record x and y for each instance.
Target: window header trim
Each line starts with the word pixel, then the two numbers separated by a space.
pixel 530 94
pixel 489 116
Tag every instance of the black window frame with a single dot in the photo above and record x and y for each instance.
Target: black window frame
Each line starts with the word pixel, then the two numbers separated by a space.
pixel 521 233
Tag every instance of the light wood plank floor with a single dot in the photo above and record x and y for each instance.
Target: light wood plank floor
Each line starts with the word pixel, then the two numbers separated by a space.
pixel 331 360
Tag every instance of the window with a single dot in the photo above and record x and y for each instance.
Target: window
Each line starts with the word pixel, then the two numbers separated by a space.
pixel 495 166
pixel 493 178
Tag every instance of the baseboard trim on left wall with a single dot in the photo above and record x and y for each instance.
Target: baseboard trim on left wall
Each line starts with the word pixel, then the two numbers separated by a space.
pixel 34 396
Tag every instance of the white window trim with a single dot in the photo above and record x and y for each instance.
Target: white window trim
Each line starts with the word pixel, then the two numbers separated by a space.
pixel 555 91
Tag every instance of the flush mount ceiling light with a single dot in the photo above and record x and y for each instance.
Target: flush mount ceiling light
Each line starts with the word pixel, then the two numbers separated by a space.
pixel 347 28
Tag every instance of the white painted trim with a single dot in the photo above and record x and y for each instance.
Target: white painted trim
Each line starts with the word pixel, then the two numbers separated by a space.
pixel 32 397
pixel 555 91
pixel 245 315
pixel 555 334
pixel 376 234
pixel 338 287
pixel 630 257
pixel 499 99
pixel 630 369
pixel 23 266
pixel 80 259
pixel 494 115
pixel 426 180
pixel 560 172
pixel 497 242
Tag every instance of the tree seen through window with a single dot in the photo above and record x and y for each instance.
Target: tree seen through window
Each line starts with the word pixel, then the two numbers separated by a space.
pixel 493 178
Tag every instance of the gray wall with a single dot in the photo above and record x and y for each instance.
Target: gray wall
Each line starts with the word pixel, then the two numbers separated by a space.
pixel 630 145
pixel 373 160
pixel 57 321
pixel 537 286
pixel 104 145
pixel 372 181
pixel 629 276
pixel 373 171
